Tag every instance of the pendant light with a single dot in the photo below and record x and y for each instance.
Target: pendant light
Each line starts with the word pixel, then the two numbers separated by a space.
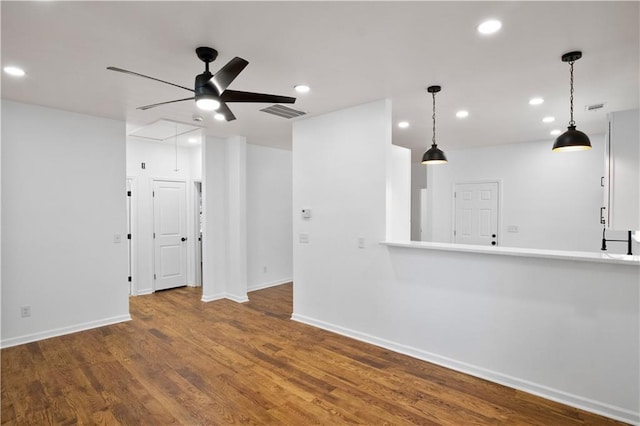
pixel 434 155
pixel 572 139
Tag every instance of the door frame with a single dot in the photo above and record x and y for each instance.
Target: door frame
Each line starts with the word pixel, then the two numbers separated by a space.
pixel 132 183
pixel 153 180
pixel 197 255
pixel 453 206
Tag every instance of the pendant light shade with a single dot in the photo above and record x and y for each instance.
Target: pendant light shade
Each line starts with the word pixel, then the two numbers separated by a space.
pixel 434 155
pixel 572 139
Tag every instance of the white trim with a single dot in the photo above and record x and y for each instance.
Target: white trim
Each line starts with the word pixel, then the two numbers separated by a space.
pixel 219 296
pixel 14 341
pixel 197 244
pixel 237 299
pixel 581 256
pixel 269 284
pixel 212 298
pixel 133 212
pixel 144 292
pixel 597 407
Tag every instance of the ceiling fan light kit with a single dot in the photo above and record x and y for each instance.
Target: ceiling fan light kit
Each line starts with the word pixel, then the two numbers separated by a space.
pixel 210 90
pixel 572 139
pixel 207 103
pixel 434 155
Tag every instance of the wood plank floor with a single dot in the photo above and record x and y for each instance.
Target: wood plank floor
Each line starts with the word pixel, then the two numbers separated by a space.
pixel 181 361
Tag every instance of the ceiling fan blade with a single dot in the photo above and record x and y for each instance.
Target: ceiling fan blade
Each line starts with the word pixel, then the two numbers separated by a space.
pixel 146 76
pixel 238 96
pixel 223 78
pixel 164 103
pixel 224 110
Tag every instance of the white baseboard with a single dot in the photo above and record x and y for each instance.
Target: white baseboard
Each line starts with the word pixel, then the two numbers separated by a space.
pixel 236 298
pixel 270 284
pixel 144 292
pixel 232 297
pixel 28 338
pixel 576 401
pixel 212 298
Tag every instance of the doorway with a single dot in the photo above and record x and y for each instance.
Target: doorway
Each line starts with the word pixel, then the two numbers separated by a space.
pixel 198 233
pixel 169 234
pixel 130 232
pixel 476 213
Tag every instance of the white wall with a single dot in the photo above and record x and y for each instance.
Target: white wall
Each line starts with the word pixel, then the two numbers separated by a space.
pixel 563 329
pixel 269 217
pixel 398 193
pixel 236 283
pixel 418 181
pixel 63 199
pixel 159 159
pixel 553 198
pixel 340 173
pixel 224 239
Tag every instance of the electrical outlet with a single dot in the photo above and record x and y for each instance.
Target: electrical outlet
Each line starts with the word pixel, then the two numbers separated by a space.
pixel 25 311
pixel 117 238
pixel 304 238
pixel 360 242
pixel 264 269
pixel 512 228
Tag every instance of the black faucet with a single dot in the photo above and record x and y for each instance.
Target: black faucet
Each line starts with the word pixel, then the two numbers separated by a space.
pixel 628 241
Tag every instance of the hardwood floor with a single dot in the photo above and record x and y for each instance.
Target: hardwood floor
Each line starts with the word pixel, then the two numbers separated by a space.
pixel 181 361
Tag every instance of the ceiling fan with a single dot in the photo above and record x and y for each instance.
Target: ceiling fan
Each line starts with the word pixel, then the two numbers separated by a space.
pixel 211 93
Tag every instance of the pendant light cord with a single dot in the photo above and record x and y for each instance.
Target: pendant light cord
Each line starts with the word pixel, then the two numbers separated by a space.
pixel 433 139
pixel 176 146
pixel 572 122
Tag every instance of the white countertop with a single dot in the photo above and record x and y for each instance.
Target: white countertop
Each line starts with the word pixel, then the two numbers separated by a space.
pixel 583 256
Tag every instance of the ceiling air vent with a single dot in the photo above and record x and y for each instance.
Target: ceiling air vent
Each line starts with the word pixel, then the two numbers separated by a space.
pixel 594 107
pixel 283 111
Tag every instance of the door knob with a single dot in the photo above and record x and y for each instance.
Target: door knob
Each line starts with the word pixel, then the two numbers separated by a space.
pixel 493 243
pixel 183 239
pixel 493 235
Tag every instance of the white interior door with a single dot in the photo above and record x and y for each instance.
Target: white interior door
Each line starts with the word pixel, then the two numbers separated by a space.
pixel 476 213
pixel 170 234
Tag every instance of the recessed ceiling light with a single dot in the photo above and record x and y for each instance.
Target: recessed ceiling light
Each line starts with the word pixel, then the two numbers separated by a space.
pixel 490 26
pixel 555 132
pixel 403 124
pixel 302 88
pixel 193 140
pixel 535 101
pixel 218 116
pixel 548 119
pixel 14 71
pixel 462 114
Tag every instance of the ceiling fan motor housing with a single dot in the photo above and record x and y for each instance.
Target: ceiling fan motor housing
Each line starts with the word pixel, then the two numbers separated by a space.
pixel 202 88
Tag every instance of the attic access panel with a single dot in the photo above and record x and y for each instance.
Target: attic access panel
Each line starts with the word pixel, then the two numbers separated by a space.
pixel 162 130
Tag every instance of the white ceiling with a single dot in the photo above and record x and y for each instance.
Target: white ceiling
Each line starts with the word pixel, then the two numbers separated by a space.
pixel 348 52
